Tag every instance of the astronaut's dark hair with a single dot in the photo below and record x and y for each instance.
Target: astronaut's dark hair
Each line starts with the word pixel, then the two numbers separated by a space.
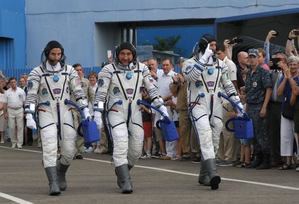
pixel 202 44
pixel 51 45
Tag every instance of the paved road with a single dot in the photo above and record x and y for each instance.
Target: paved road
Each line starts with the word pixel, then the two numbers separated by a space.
pixel 92 180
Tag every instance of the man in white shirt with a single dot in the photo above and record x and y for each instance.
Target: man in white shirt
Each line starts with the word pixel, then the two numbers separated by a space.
pixel 164 80
pixel 14 99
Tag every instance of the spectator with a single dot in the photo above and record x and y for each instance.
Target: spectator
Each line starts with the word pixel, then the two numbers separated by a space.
pixel 242 68
pixel 14 111
pixel 274 116
pixel 258 92
pixel 158 144
pixel 153 67
pixel 22 83
pixel 3 121
pixel 147 125
pixel 290 71
pixel 227 144
pixel 100 147
pixel 261 59
pixel 290 44
pixel 76 116
pixel 163 82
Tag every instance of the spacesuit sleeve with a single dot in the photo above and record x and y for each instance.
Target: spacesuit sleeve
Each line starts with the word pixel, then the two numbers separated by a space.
pixel 228 85
pixel 76 88
pixel 33 84
pixel 104 79
pixel 150 83
pixel 192 70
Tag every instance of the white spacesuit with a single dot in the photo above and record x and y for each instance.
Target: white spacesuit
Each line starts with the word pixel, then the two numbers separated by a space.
pixel 49 85
pixel 119 86
pixel 206 77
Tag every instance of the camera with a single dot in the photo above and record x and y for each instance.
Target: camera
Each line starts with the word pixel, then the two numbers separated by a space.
pixel 235 40
pixel 275 63
pixel 276 34
pixel 296 32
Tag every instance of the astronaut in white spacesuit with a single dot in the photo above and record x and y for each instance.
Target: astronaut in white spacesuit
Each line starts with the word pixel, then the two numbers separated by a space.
pixel 207 76
pixel 49 85
pixel 119 88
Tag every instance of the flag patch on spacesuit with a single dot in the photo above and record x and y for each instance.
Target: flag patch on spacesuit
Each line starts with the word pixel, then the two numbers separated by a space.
pixel 56 91
pixel 44 91
pixel 210 83
pixel 116 90
pixel 198 84
pixel 30 84
pixel 129 91
pixel 100 82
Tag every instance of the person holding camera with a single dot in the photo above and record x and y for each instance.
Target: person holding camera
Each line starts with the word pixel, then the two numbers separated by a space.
pixel 290 44
pixel 290 73
pixel 274 115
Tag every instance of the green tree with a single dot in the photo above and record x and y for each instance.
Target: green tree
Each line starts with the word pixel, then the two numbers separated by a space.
pixel 166 44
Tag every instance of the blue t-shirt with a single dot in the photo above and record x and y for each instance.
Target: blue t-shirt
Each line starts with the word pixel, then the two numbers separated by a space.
pixel 287 92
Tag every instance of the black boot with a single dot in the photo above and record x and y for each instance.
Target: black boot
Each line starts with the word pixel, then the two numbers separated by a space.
pixel 210 165
pixel 266 164
pixel 203 177
pixel 61 170
pixel 123 178
pixel 257 160
pixel 53 180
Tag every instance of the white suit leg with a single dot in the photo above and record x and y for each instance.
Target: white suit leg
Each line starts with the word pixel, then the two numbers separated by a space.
pixel 217 125
pixel 48 134
pixel 120 144
pixel 68 143
pixel 135 139
pixel 204 132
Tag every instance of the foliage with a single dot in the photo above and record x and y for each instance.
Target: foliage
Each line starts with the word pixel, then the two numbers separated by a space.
pixel 166 44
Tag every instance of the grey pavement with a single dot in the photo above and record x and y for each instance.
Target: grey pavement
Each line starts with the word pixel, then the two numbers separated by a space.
pixel 92 180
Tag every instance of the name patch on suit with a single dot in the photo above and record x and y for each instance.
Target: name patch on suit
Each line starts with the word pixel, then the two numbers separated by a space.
pixel 210 83
pixel 57 91
pixel 129 91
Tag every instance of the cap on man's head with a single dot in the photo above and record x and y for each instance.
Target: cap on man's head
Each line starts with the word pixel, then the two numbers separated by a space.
pixel 253 52
pixel 126 45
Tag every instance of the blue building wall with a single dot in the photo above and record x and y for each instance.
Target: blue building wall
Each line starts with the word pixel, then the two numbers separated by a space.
pixel 12 35
pixel 80 24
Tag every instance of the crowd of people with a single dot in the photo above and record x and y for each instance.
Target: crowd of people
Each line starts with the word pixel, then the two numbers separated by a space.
pixel 264 85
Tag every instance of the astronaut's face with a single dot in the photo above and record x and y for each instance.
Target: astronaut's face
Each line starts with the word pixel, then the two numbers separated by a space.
pixel 54 56
pixel 125 56
pixel 213 45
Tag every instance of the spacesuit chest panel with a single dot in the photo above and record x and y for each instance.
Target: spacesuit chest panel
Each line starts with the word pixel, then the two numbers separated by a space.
pixel 125 84
pixel 54 85
pixel 211 78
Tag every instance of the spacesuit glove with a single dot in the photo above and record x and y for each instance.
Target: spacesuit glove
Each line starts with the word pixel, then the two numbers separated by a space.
pixel 30 123
pixel 86 113
pixel 205 57
pixel 163 109
pixel 98 119
pixel 240 109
